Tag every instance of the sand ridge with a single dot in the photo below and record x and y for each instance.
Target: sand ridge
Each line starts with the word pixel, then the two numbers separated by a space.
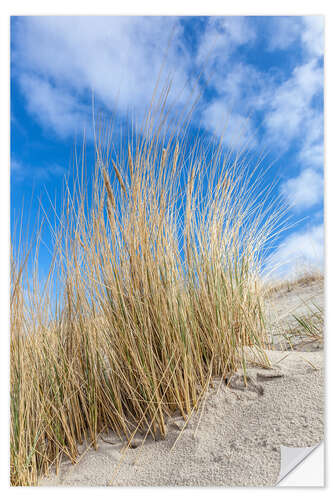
pixel 233 440
pixel 282 307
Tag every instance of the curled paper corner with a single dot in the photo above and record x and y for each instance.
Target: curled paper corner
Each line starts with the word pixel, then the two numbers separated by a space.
pixel 291 457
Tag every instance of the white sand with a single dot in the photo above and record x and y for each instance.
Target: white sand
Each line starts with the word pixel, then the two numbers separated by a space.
pixel 299 301
pixel 238 439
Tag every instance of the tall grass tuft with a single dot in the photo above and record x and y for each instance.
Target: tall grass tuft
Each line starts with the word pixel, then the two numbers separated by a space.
pixel 159 271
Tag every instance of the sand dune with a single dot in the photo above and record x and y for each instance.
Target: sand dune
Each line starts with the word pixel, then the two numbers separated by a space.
pixel 234 439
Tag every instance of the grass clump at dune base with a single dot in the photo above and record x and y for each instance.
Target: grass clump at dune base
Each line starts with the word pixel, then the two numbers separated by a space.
pixel 157 269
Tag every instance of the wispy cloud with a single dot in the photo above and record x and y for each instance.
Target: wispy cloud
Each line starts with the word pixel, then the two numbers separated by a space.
pixel 284 104
pixel 221 38
pixel 54 107
pixel 286 32
pixel 233 83
pixel 311 151
pixel 304 191
pixel 291 110
pixel 313 35
pixel 305 30
pixel 295 111
pixel 22 172
pixel 61 60
pixel 235 128
pixel 302 248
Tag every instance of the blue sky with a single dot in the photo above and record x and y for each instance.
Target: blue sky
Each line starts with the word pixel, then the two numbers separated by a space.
pixel 261 77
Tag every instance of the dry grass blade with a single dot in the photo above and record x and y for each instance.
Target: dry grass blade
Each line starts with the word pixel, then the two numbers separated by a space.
pixel 157 292
pixel 119 177
pixel 308 327
pixel 108 188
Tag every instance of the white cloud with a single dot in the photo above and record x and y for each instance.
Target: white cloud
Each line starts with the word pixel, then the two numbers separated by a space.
pixel 304 249
pixel 238 29
pixel 287 30
pixel 292 113
pixel 58 60
pixel 22 172
pixel 54 107
pixel 119 58
pixel 312 154
pixel 304 191
pixel 313 35
pixel 291 106
pixel 288 112
pixel 293 116
pixel 221 38
pixel 312 147
pixel 235 128
pixel 244 87
pixel 235 83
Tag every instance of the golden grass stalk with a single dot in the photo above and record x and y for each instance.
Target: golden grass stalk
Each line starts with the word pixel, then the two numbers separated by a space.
pixel 119 177
pixel 139 328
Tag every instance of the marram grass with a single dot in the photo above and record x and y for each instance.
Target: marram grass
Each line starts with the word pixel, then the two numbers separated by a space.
pixel 160 280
